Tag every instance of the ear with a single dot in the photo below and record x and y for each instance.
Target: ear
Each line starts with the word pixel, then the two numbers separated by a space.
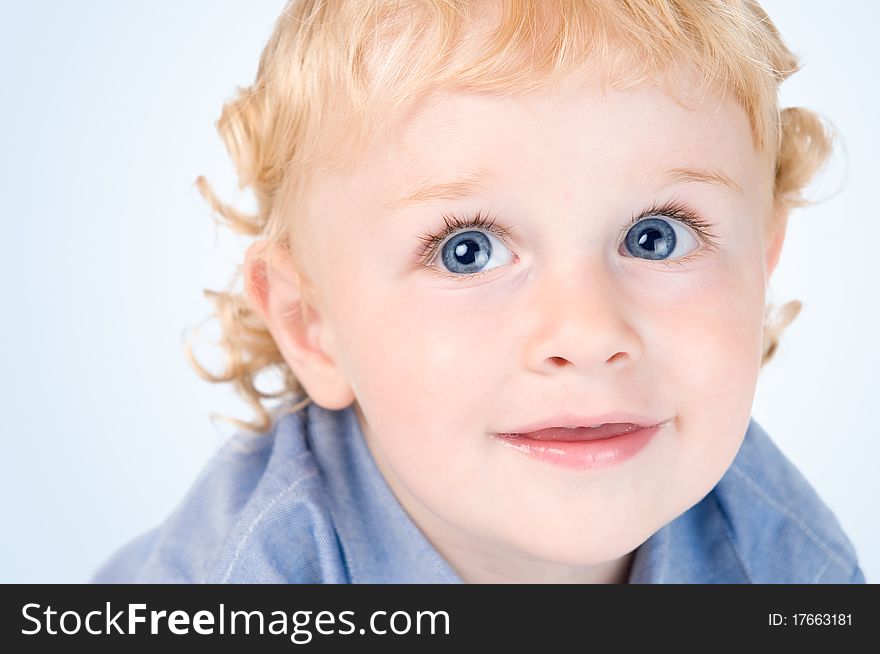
pixel 775 237
pixel 281 296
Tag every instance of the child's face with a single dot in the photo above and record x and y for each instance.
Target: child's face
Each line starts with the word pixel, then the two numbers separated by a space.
pixel 567 319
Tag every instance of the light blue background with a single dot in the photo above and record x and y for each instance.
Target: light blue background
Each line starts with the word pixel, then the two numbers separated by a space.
pixel 108 116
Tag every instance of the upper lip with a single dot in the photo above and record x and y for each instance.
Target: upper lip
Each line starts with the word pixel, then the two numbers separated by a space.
pixel 573 420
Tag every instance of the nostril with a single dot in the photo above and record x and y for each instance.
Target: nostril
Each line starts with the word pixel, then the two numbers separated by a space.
pixel 559 361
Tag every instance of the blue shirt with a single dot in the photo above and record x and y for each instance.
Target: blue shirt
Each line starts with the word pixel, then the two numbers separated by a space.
pixel 305 503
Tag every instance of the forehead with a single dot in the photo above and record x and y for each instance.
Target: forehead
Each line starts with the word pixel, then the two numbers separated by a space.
pixel 601 133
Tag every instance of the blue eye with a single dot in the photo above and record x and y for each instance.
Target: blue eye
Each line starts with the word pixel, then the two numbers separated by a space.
pixel 467 246
pixel 466 253
pixel 656 238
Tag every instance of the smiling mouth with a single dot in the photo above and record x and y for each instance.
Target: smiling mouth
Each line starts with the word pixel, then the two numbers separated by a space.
pixel 575 434
pixel 583 448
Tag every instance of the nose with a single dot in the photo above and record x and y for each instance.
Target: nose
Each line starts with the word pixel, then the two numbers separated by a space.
pixel 579 316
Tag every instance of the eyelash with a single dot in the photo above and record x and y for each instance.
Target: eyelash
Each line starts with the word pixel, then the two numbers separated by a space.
pixel 674 209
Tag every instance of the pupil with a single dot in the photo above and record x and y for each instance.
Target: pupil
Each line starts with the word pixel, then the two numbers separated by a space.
pixel 466 251
pixel 650 238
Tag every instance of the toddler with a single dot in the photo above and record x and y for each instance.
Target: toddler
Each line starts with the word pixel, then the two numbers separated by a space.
pixel 510 259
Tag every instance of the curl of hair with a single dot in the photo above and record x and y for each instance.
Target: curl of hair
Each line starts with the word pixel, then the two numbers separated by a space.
pixel 805 146
pixel 333 73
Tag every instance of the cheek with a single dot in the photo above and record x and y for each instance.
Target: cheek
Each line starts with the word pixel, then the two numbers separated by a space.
pixel 419 363
pixel 712 333
pixel 707 349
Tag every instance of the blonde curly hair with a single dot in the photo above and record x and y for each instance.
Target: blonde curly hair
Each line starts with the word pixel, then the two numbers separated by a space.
pixel 332 71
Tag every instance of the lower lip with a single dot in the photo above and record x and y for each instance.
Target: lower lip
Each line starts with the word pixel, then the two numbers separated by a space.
pixel 584 455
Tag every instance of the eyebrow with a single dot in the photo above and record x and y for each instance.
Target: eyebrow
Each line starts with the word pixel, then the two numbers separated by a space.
pixel 459 188
pixel 704 176
pixel 470 183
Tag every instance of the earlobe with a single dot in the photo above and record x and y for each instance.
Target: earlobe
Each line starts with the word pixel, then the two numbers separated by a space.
pixel 280 295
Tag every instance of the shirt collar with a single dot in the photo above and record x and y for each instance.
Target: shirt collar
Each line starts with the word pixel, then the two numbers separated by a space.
pixel 692 549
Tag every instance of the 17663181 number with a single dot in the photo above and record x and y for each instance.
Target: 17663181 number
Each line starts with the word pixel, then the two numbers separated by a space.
pixel 810 619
